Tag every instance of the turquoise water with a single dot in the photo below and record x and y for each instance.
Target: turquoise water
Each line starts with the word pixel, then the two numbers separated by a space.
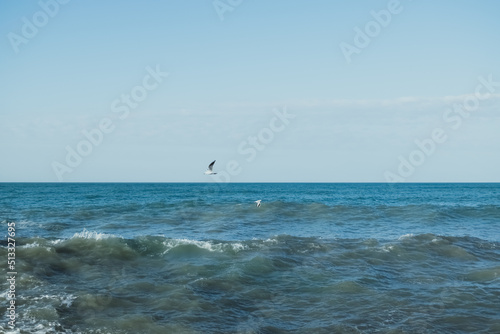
pixel 202 258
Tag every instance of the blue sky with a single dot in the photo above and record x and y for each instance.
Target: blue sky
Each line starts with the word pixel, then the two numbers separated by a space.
pixel 233 66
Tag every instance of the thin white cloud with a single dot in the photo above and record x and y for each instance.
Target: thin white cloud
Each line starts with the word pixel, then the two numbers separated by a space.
pixel 403 101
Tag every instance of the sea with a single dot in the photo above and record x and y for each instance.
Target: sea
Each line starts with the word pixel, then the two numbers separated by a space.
pixel 204 258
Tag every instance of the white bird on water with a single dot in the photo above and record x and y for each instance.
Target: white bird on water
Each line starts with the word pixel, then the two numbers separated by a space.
pixel 210 170
pixel 258 203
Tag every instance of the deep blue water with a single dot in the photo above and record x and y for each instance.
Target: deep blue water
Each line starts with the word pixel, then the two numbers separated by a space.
pixel 202 258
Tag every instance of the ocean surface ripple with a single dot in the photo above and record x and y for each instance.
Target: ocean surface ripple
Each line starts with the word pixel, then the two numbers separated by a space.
pixel 202 258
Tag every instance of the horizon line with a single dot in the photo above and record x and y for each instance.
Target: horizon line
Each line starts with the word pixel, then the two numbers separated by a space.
pixel 259 182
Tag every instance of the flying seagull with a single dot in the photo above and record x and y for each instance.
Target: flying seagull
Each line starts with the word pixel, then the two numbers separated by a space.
pixel 258 203
pixel 210 171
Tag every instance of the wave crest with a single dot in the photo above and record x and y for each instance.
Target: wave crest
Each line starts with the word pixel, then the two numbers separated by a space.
pixel 86 234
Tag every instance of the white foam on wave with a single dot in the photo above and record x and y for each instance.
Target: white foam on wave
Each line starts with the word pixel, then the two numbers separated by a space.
pixel 9 330
pixel 86 234
pixel 406 236
pixel 238 246
pixel 62 300
pixel 270 241
pixel 387 248
pixel 35 245
pixel 30 323
pixel 32 245
pixel 207 245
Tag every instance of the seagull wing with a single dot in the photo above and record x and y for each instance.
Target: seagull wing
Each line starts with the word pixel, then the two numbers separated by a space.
pixel 211 166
